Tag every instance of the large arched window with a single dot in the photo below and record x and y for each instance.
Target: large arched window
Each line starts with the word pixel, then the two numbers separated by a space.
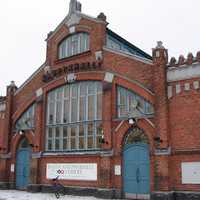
pixel 27 119
pixel 126 101
pixel 73 45
pixel 74 115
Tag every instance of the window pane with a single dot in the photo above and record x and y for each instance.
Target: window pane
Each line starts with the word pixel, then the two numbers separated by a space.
pixel 57 132
pixel 82 108
pixel 51 112
pixel 81 130
pixel 66 111
pixel 50 133
pixel 91 88
pixel 57 144
pixel 49 145
pixel 73 131
pixel 65 131
pixel 90 129
pixel 73 143
pixel 122 97
pixel 66 91
pixel 99 87
pixel 74 110
pixel 58 111
pixel 65 146
pixel 83 89
pixel 74 90
pixel 98 138
pixel 99 106
pixel 90 142
pixel 81 143
pixel 91 108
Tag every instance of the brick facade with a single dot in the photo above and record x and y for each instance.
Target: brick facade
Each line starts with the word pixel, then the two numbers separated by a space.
pixel 173 130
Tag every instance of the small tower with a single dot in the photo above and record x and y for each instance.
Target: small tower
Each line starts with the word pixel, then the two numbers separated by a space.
pixel 11 89
pixel 160 60
pixel 160 54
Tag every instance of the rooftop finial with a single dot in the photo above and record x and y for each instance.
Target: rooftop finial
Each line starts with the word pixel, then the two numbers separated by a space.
pixel 74 6
pixel 12 84
pixel 160 45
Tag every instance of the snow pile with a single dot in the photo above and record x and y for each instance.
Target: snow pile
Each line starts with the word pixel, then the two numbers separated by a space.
pixel 20 195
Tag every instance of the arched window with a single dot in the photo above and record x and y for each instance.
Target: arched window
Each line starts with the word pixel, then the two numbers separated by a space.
pixel 27 119
pixel 73 45
pixel 74 115
pixel 126 101
pixel 136 135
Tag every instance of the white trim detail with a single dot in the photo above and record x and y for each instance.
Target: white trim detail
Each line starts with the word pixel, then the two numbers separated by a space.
pixel 39 92
pixel 196 85
pixel 72 29
pixel 183 72
pixel 73 20
pixel 187 86
pixel 109 77
pixel 169 92
pixel 178 88
pixel 129 55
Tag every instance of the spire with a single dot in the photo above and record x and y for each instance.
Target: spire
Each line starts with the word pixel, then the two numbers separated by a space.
pixel 74 6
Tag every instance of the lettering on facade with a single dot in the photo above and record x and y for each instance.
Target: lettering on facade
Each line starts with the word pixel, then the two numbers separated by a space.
pixel 72 171
pixel 73 68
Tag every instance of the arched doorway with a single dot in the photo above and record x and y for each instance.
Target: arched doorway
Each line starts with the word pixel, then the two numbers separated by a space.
pixel 136 165
pixel 23 164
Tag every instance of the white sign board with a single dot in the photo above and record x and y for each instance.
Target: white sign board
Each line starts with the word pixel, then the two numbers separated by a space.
pixel 190 172
pixel 12 168
pixel 72 171
pixel 117 170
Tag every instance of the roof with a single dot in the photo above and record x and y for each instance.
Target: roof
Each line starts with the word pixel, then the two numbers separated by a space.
pixel 128 44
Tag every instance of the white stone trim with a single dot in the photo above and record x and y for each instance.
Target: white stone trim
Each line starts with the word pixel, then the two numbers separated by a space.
pixel 183 72
pixel 178 88
pixel 187 86
pixel 72 29
pixel 129 55
pixel 196 85
pixel 169 92
pixel 109 77
pixel 39 92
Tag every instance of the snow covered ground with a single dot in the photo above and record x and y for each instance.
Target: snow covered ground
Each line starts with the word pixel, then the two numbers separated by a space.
pixel 19 195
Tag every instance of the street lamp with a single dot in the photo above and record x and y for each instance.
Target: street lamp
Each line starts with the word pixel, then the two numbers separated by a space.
pixel 132 120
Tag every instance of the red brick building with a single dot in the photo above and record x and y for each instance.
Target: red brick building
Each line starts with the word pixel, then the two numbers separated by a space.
pixel 104 116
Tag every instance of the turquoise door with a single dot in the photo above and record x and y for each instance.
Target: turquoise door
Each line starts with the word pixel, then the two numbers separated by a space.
pixel 136 173
pixel 22 168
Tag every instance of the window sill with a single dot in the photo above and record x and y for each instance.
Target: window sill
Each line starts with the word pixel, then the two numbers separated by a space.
pixel 77 56
pixel 78 153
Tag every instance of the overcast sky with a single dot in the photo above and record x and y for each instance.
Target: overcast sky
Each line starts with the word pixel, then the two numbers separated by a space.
pixel 24 25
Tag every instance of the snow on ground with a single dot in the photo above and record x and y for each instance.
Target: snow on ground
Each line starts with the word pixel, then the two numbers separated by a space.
pixel 20 195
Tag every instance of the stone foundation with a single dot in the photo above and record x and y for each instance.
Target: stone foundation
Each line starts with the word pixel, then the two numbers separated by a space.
pixel 178 195
pixel 96 192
